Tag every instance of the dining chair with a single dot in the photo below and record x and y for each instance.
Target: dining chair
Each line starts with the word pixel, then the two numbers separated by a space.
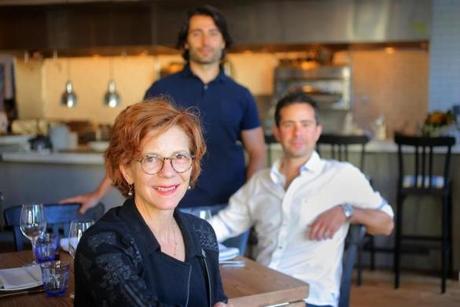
pixel 58 218
pixel 339 148
pixel 339 145
pixel 353 242
pixel 423 170
pixel 240 242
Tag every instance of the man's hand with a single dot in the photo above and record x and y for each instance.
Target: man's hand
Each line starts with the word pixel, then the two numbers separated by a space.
pixel 90 200
pixel 221 304
pixel 327 223
pixel 87 201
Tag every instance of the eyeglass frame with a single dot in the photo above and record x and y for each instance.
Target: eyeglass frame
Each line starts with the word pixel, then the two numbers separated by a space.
pixel 162 159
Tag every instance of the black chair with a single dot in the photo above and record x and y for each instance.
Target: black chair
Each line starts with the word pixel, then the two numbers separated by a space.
pixel 58 218
pixel 425 178
pixel 353 243
pixel 339 146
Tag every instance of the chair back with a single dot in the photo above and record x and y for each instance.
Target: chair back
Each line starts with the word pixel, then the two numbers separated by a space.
pixel 58 218
pixel 339 145
pixel 353 242
pixel 423 175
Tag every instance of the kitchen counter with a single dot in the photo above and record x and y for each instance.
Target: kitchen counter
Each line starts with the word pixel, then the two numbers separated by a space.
pixel 47 177
pixel 93 158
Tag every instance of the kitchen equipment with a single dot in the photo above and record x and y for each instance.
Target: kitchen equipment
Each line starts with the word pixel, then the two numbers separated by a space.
pixel 3 122
pixel 60 136
pixel 40 143
pixel 15 143
pixel 328 85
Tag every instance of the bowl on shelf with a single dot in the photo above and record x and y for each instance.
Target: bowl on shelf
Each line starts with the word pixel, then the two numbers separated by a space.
pixel 98 146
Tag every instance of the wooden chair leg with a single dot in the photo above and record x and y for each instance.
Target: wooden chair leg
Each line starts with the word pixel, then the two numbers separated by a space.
pixel 397 251
pixel 445 250
pixel 450 235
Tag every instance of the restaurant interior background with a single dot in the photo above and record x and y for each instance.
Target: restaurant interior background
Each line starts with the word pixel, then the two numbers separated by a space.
pixel 403 57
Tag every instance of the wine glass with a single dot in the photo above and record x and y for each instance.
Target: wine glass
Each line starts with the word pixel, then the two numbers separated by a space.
pixel 77 228
pixel 202 213
pixel 32 223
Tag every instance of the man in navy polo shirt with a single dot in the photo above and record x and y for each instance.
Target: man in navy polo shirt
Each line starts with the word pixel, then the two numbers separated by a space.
pixel 228 112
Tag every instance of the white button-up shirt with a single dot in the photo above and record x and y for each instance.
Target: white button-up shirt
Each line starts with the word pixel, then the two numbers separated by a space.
pixel 282 218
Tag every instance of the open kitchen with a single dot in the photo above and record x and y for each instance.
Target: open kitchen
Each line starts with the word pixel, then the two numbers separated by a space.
pixel 375 68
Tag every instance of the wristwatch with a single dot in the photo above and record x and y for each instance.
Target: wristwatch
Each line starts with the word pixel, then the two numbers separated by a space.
pixel 347 210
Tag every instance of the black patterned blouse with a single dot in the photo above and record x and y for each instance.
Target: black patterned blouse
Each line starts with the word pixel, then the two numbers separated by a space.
pixel 119 263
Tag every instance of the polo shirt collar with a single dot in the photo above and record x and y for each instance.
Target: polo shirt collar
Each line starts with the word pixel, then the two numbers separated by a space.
pixel 221 77
pixel 313 166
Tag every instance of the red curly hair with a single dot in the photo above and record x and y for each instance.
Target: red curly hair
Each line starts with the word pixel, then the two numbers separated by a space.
pixel 136 121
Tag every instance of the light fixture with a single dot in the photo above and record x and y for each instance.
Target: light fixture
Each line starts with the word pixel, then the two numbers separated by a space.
pixel 111 98
pixel 68 98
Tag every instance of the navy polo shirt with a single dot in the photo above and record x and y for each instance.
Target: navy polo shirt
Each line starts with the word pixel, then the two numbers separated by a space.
pixel 226 108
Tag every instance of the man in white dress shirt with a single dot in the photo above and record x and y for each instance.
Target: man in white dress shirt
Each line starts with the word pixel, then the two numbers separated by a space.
pixel 302 207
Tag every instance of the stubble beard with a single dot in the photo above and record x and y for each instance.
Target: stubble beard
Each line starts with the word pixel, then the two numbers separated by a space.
pixel 212 59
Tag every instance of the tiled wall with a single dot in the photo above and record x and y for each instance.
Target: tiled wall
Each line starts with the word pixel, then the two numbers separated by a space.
pixel 444 86
pixel 392 83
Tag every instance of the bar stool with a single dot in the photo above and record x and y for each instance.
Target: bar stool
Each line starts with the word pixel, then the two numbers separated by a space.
pixel 422 180
pixel 339 147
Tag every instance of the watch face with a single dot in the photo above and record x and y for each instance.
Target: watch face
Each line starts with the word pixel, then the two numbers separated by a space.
pixel 347 210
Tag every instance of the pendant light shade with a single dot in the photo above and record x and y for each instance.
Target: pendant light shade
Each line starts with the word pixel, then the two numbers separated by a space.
pixel 69 98
pixel 111 98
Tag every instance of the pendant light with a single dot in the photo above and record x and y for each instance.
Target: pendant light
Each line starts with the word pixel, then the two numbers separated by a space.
pixel 68 98
pixel 111 98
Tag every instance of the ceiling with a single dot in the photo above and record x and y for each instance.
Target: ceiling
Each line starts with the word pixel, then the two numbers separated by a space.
pixel 47 2
pixel 79 27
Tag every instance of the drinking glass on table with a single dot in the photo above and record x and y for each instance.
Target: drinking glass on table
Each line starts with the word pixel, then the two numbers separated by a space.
pixel 77 228
pixel 202 213
pixel 32 223
pixel 47 248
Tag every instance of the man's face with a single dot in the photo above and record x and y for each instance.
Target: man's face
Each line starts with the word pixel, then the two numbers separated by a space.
pixel 204 40
pixel 298 130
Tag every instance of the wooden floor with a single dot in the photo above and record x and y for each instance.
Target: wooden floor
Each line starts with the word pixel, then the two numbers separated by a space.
pixel 415 291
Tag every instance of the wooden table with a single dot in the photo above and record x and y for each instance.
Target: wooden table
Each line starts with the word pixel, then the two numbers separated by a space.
pixel 256 285
pixel 251 285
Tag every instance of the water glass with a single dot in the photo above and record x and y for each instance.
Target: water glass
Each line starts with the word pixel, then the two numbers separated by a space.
pixel 77 228
pixel 47 248
pixel 32 222
pixel 55 276
pixel 204 214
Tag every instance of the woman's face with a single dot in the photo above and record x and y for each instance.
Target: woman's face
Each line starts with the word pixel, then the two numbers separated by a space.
pixel 166 188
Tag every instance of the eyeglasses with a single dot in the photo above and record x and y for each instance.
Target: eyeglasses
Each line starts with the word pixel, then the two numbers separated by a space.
pixel 152 163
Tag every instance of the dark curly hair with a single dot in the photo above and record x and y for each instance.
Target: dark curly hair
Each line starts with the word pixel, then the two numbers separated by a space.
pixel 218 19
